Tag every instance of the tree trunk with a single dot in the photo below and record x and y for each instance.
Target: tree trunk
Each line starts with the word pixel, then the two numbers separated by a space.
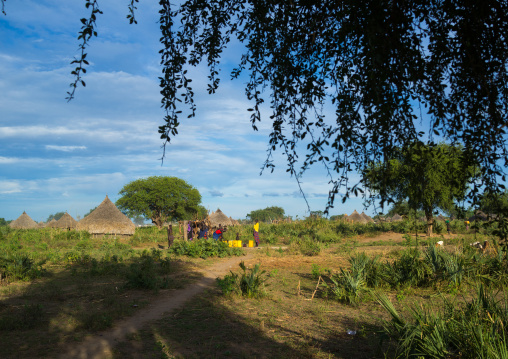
pixel 430 221
pixel 185 236
pixel 157 220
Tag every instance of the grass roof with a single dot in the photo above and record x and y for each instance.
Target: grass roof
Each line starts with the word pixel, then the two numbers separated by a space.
pixel 107 219
pixel 24 222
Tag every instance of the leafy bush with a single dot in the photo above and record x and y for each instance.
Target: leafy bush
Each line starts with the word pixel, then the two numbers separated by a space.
pixel 204 249
pixel 27 317
pixel 474 330
pixel 350 285
pixel 145 272
pixel 249 284
pixel 309 247
pixel 20 266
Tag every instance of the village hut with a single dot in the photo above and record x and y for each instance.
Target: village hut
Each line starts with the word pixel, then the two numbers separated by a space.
pixel 66 222
pixel 345 218
pixel 218 218
pixel 234 222
pixel 478 216
pixel 51 224
pixel 24 222
pixel 41 224
pixel 367 218
pixel 356 217
pixel 440 218
pixel 397 217
pixel 107 219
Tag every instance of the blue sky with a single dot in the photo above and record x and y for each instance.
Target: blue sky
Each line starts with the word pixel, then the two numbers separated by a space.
pixel 58 156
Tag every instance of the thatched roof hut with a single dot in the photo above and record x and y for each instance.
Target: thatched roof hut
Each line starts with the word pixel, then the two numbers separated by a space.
pixel 107 219
pixel 51 224
pixel 24 222
pixel 397 217
pixel 66 222
pixel 234 222
pixel 218 218
pixel 479 216
pixel 356 217
pixel 367 218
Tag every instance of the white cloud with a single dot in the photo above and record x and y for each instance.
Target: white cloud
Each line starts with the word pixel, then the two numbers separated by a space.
pixel 65 148
pixel 8 187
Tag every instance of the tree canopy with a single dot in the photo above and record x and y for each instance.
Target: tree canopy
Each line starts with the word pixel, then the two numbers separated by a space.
pixel 266 215
pixel 428 177
pixel 55 216
pixel 392 73
pixel 160 199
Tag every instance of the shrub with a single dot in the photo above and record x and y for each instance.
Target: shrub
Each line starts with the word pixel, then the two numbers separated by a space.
pixel 145 273
pixel 28 317
pixel 20 266
pixel 462 330
pixel 309 247
pixel 204 249
pixel 249 284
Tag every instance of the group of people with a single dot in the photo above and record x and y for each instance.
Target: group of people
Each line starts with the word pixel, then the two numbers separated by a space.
pixel 197 230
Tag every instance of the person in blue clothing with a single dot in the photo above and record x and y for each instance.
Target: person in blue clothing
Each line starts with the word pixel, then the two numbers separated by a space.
pixel 217 235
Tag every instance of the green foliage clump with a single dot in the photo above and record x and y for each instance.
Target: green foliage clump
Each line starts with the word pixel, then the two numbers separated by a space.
pixel 20 266
pixel 27 317
pixel 351 285
pixel 204 249
pixel 160 199
pixel 474 330
pixel 309 247
pixel 145 273
pixel 250 283
pixel 266 215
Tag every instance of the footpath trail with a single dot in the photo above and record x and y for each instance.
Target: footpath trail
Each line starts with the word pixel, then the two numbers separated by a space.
pixel 101 345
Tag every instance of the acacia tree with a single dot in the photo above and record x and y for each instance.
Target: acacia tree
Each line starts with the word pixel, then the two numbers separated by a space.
pixel 55 216
pixel 428 177
pixel 267 214
pixel 384 67
pixel 160 199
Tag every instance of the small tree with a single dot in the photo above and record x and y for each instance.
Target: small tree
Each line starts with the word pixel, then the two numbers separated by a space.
pixel 55 216
pixel 138 220
pixel 90 211
pixel 267 214
pixel 159 199
pixel 428 176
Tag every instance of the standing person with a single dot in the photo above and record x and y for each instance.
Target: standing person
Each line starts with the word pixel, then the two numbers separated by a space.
pixel 189 231
pixel 256 232
pixel 467 225
pixel 171 238
pixel 448 228
pixel 217 235
pixel 202 232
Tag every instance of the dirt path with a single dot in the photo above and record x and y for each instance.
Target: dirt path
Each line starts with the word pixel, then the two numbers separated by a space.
pixel 101 344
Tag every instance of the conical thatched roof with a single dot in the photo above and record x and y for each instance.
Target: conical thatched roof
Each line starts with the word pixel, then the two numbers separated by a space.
pixel 218 218
pixel 440 218
pixel 66 222
pixel 234 222
pixel 107 219
pixel 24 222
pixel 478 216
pixel 345 218
pixel 51 224
pixel 397 217
pixel 356 217
pixel 367 218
